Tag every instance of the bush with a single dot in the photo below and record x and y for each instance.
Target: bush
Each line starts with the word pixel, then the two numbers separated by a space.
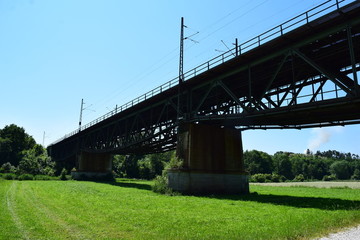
pixel 261 177
pixel 63 174
pixel 42 177
pixel 277 178
pixel 356 175
pixel 161 186
pixel 25 177
pixel 7 168
pixel 299 178
pixel 9 176
pixel 329 177
pixel 175 162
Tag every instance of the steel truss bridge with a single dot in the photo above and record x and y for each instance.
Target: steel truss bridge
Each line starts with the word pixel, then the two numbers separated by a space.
pixel 300 74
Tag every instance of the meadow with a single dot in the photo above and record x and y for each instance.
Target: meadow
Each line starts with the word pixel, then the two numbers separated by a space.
pixel 128 209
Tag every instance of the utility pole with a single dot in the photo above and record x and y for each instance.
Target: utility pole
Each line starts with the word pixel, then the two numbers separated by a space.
pixel 181 68
pixel 181 65
pixel 181 62
pixel 43 143
pixel 81 110
pixel 237 47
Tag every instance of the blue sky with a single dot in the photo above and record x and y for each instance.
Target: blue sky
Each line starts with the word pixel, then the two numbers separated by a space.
pixel 54 53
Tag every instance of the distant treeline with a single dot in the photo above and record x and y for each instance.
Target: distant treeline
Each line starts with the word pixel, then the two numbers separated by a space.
pixel 20 154
pixel 282 166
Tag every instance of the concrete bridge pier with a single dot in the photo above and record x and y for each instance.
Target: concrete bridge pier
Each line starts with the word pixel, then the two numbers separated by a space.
pixel 212 161
pixel 92 166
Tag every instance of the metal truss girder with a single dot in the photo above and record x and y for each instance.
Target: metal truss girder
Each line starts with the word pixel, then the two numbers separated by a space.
pixel 352 57
pixel 277 70
pixel 271 101
pixel 232 95
pixel 293 100
pixel 201 102
pixel 324 71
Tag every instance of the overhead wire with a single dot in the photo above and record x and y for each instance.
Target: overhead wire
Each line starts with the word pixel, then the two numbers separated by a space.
pixel 154 68
pixel 251 26
pixel 170 57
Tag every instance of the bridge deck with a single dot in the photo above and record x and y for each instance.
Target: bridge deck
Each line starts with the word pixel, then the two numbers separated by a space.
pixel 248 90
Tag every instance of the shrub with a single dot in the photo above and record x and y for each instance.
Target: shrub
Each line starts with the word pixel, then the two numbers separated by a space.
pixel 42 177
pixel 261 177
pixel 356 175
pixel 175 163
pixel 329 177
pixel 63 174
pixel 9 176
pixel 7 168
pixel 299 178
pixel 277 178
pixel 161 186
pixel 25 177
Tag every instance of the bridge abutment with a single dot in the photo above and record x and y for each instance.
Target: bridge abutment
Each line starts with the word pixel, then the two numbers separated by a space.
pixel 212 161
pixel 92 166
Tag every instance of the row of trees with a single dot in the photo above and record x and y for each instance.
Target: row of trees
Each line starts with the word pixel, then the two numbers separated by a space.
pixel 326 165
pixel 141 166
pixel 20 154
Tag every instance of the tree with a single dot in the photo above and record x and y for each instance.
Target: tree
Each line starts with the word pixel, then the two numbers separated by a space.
pixel 356 175
pixel 257 162
pixel 36 161
pixel 282 165
pixel 341 169
pixel 318 168
pixel 298 164
pixel 117 163
pixel 130 167
pixel 13 141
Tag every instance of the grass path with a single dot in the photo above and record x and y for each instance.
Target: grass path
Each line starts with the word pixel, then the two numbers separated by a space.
pixel 11 207
pixel 130 210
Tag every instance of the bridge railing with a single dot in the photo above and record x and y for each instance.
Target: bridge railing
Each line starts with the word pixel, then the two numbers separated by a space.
pixel 257 41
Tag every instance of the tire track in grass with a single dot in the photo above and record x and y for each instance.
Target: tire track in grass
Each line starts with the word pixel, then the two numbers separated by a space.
pixel 10 202
pixel 36 202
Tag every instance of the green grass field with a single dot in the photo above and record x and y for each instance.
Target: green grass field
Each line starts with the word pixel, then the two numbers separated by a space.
pixel 130 210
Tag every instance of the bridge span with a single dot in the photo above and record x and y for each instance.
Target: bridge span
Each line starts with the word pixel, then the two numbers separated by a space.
pixel 300 74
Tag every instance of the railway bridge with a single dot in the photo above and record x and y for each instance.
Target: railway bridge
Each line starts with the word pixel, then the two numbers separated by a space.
pixel 300 74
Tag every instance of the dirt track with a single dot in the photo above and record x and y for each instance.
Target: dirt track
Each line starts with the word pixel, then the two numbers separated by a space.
pixel 320 184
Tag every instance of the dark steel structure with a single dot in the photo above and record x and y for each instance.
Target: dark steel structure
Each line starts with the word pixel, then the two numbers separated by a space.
pixel 302 73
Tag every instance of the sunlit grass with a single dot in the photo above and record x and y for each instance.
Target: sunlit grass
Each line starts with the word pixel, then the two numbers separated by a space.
pixel 130 210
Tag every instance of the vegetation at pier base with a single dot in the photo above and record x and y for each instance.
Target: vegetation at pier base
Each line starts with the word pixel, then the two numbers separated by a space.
pixel 282 166
pixel 22 158
pixel 128 209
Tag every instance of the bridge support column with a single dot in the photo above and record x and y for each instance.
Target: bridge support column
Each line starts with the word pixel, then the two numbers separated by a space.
pixel 212 161
pixel 93 166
